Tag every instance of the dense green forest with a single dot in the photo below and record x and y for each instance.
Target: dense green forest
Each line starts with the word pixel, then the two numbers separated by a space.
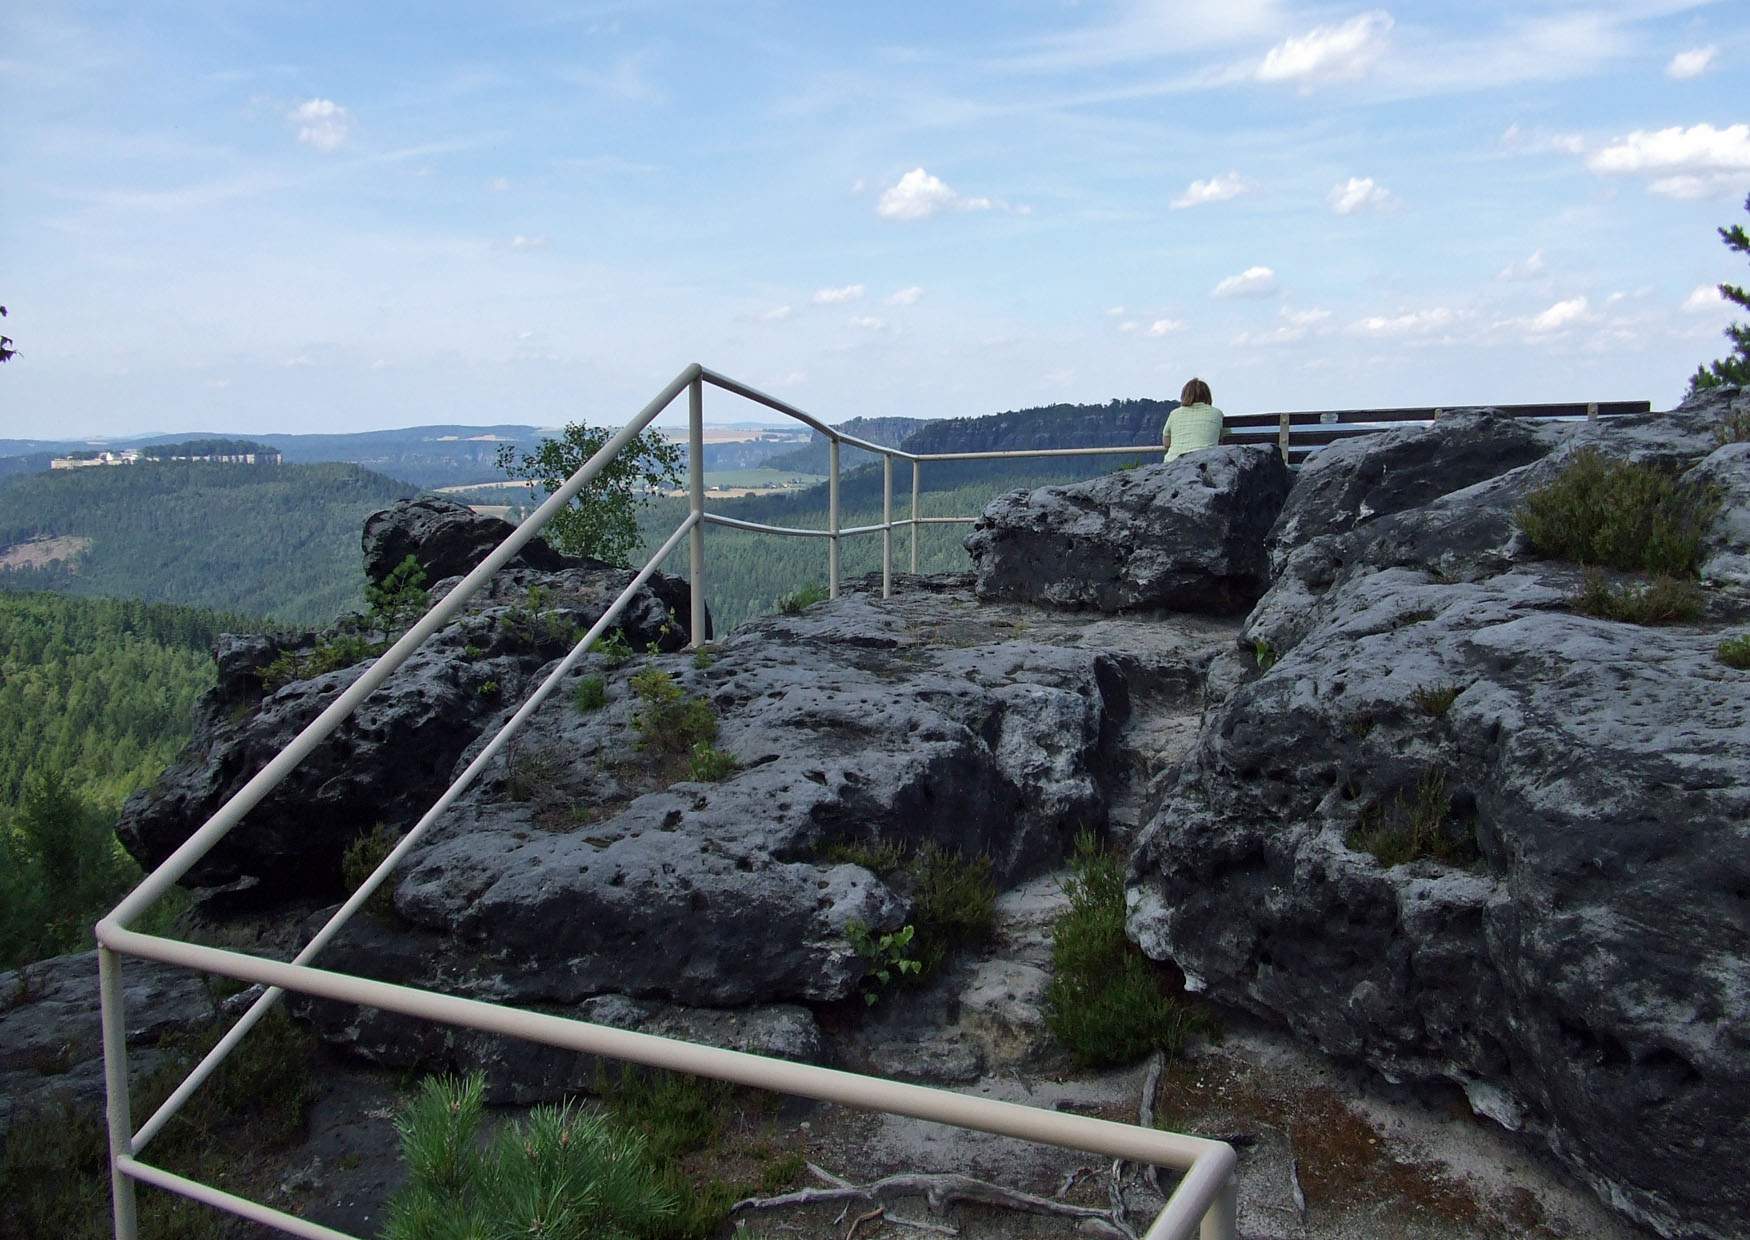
pixel 96 697
pixel 746 573
pixel 266 540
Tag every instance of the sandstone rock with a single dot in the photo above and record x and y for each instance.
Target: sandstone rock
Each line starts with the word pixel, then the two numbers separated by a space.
pixel 51 1040
pixel 391 759
pixel 1586 975
pixel 1186 536
pixel 448 539
pixel 1727 550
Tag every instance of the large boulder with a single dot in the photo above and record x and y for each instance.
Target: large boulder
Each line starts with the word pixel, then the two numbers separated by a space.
pixel 448 539
pixel 587 863
pixel 1569 941
pixel 1726 550
pixel 1184 536
pixel 388 762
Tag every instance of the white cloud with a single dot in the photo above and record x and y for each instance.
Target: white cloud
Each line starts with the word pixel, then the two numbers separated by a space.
pixel 918 195
pixel 1252 282
pixel 1692 63
pixel 1116 312
pixel 1528 268
pixel 1562 314
pixel 868 322
pixel 1703 299
pixel 1328 53
pixel 520 242
pixel 1165 327
pixel 838 296
pixel 1358 193
pixel 777 314
pixel 322 123
pixel 905 296
pixel 1312 316
pixel 1129 325
pixel 1295 326
pixel 1685 162
pixel 791 379
pixel 1410 323
pixel 1216 189
pixel 498 184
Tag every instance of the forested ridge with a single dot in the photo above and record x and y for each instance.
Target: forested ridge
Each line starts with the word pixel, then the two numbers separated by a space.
pixel 266 540
pixel 97 696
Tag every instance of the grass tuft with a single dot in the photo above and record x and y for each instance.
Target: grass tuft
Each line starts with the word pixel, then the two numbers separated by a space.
pixel 1435 700
pixel 799 600
pixel 709 764
pixel 1413 830
pixel 954 896
pixel 1105 1002
pixel 666 718
pixel 360 861
pixel 1663 600
pixel 1735 652
pixel 591 694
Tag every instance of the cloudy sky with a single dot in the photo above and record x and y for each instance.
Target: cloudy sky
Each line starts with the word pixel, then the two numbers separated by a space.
pixel 302 216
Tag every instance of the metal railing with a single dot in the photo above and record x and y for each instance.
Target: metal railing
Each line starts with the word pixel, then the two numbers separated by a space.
pixel 1203 1202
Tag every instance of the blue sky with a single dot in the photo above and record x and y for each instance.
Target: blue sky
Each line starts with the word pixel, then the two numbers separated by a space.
pixel 302 216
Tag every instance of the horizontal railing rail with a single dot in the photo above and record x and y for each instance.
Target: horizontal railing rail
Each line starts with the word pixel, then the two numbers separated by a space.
pixel 1203 1202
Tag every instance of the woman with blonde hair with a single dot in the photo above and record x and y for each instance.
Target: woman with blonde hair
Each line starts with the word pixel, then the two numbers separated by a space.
pixel 1195 424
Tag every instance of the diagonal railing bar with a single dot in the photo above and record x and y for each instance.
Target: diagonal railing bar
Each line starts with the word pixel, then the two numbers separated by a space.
pixel 265 1002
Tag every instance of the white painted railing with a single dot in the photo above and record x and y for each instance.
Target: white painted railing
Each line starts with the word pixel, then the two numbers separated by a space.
pixel 1203 1203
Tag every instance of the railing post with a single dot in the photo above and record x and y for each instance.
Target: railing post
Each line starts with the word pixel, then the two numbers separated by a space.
pixel 886 525
pixel 696 491
pixel 1591 411
pixel 1282 437
pixel 114 1015
pixel 1221 1220
pixel 915 465
pixel 832 519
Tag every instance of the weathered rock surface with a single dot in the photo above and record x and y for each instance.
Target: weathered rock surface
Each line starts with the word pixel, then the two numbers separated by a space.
pixel 448 539
pixel 1727 549
pixel 51 1040
pixel 1588 975
pixel 1185 536
pixel 391 759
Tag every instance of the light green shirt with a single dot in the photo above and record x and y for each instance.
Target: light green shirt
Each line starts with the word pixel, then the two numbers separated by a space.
pixel 1190 427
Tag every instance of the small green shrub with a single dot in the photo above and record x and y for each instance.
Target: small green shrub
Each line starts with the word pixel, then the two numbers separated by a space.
pixel 666 719
pixel 953 896
pixel 613 647
pixel 591 694
pixel 1105 1002
pixel 1733 428
pixel 1663 600
pixel 341 650
pixel 360 861
pixel 531 773
pixel 487 688
pixel 471 651
pixel 1415 830
pixel 1621 515
pixel 400 599
pixel 709 764
pixel 887 958
pixel 1265 654
pixel 1735 652
pixel 797 600
pixel 703 658
pixel 561 1173
pixel 1435 700
pixel 673 1112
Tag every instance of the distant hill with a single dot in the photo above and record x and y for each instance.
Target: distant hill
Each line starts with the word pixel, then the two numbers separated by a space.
pixel 265 540
pixel 813 457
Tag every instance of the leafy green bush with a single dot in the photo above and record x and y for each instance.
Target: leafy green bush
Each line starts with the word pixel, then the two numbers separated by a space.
pixel 666 719
pixel 613 647
pixel 602 521
pixel 1105 1002
pixel 709 764
pixel 591 694
pixel 1735 652
pixel 360 861
pixel 1435 700
pixel 797 600
pixel 561 1173
pixel 1619 514
pixel 1663 600
pixel 1265 654
pixel 703 658
pixel 1415 830
pixel 886 958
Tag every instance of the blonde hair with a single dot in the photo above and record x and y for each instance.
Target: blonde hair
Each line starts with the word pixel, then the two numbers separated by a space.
pixel 1196 393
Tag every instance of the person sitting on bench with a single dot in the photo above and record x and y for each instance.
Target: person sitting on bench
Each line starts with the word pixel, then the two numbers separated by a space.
pixel 1195 424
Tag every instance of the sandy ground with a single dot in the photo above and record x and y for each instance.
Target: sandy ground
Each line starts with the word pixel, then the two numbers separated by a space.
pixel 41 552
